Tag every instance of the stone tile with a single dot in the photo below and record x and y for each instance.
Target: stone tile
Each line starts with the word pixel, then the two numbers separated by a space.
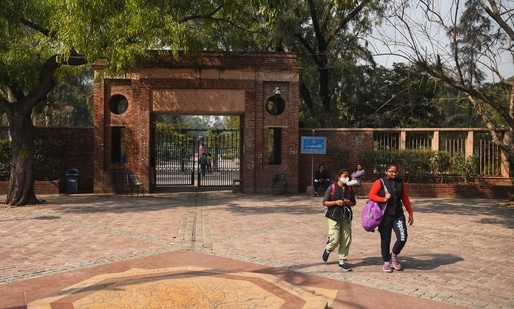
pixel 230 240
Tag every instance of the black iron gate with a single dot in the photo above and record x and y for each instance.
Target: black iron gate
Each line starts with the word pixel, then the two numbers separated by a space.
pixel 178 158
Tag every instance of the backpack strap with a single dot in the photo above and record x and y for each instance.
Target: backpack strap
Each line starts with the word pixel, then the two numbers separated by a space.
pixel 332 190
pixel 349 192
pixel 384 185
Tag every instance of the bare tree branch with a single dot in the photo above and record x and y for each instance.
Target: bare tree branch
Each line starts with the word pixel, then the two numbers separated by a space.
pixel 438 40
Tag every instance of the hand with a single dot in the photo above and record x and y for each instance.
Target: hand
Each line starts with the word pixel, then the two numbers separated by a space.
pixel 388 196
pixel 410 220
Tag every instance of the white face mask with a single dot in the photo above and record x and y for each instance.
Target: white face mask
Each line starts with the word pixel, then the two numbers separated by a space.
pixel 344 180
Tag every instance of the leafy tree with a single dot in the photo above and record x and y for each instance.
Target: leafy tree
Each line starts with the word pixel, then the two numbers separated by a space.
pixel 399 97
pixel 26 77
pixel 326 36
pixel 43 39
pixel 455 109
pixel 233 122
pixel 74 90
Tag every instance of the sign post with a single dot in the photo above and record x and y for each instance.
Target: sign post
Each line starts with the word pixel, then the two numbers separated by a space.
pixel 312 163
pixel 313 145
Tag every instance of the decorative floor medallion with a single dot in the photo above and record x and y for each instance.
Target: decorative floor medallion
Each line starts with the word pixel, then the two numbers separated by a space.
pixel 185 287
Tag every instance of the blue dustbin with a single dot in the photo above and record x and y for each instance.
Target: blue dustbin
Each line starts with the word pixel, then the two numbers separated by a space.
pixel 72 180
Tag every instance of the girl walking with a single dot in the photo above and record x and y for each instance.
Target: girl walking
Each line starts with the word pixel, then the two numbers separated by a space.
pixel 394 218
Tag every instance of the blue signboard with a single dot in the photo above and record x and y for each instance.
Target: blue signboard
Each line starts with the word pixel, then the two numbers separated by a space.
pixel 314 145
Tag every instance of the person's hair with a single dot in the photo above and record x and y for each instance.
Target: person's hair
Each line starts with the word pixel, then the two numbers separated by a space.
pixel 341 171
pixel 391 164
pixel 321 165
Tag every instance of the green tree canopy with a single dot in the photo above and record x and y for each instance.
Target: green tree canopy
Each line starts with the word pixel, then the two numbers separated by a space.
pixel 326 35
pixel 42 39
pixel 402 96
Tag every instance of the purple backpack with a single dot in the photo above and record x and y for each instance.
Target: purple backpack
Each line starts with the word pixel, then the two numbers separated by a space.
pixel 372 213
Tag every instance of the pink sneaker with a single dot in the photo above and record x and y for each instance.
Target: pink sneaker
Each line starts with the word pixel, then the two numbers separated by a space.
pixel 387 267
pixel 396 264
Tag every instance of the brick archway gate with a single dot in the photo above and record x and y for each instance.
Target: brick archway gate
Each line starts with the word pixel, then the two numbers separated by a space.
pixel 261 88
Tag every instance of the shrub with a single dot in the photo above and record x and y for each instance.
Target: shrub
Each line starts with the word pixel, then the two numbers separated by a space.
pixel 5 158
pixel 379 159
pixel 466 168
pixel 421 164
pixel 417 163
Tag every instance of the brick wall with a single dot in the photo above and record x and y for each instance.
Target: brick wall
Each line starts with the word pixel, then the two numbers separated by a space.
pixel 358 140
pixel 80 149
pixel 354 141
pixel 465 191
pixel 78 154
pixel 40 187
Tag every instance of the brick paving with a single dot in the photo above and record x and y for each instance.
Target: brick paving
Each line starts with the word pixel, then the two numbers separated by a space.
pixel 457 252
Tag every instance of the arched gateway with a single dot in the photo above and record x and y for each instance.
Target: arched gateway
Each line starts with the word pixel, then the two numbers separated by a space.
pixel 261 88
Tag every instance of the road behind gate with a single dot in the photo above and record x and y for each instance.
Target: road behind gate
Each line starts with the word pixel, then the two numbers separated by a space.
pixel 242 250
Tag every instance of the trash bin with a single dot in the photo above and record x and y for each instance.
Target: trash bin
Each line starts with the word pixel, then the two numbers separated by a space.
pixel 72 180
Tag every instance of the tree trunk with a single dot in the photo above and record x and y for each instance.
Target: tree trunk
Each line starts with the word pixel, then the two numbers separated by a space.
pixel 324 79
pixel 21 183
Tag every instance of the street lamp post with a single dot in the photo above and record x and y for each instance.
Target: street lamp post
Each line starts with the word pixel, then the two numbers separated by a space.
pixel 69 109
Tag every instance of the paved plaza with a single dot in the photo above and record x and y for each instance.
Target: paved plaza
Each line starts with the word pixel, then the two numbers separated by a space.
pixel 216 249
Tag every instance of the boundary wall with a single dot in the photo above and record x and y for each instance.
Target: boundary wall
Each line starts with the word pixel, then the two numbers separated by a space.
pixel 79 154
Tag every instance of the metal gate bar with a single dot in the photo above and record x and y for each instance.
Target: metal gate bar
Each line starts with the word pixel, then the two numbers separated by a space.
pixel 178 152
pixel 175 156
pixel 223 152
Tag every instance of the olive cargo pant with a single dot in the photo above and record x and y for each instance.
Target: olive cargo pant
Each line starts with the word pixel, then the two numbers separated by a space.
pixel 339 234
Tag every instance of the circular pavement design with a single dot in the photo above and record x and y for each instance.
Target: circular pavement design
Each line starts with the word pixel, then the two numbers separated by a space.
pixel 186 287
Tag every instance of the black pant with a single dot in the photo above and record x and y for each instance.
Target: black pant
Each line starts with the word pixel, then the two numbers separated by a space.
pixel 325 183
pixel 389 224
